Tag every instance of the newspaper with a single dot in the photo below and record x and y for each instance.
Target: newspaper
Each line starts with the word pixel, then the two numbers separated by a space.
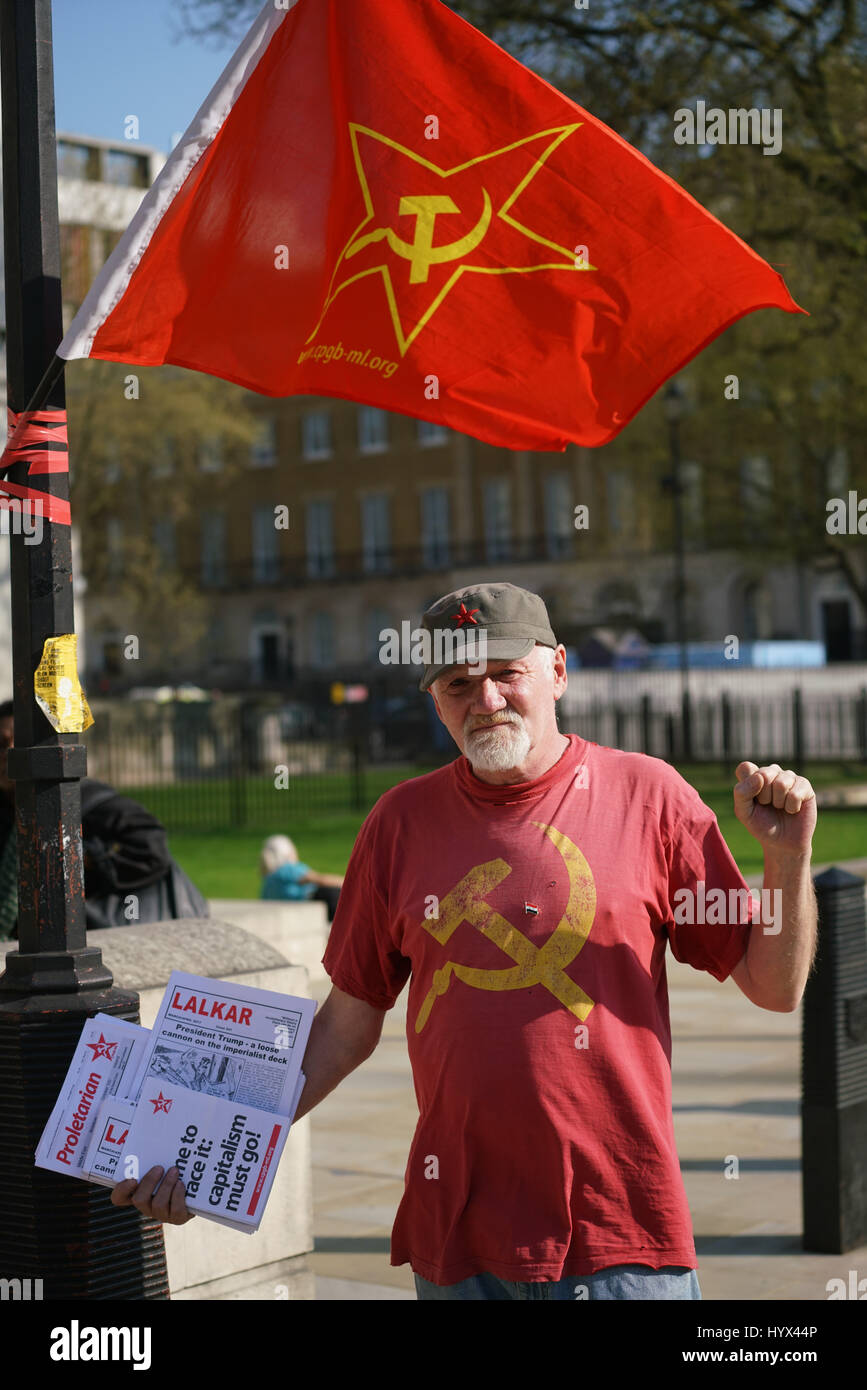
pixel 212 1089
pixel 242 1044
pixel 226 1154
pixel 106 1066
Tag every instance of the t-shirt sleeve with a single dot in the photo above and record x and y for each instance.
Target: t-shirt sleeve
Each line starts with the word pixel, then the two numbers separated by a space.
pixel 361 957
pixel 707 929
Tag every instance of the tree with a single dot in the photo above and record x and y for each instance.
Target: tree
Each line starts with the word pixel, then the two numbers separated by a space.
pixel 137 444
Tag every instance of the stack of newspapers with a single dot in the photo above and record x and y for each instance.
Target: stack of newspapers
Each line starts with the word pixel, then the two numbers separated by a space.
pixel 211 1089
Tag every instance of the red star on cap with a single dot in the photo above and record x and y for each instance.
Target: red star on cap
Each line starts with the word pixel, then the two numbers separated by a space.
pixel 102 1048
pixel 161 1102
pixel 466 616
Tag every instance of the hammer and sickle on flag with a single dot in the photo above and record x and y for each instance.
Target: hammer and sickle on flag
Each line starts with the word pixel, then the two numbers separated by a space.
pixel 542 965
pixel 421 253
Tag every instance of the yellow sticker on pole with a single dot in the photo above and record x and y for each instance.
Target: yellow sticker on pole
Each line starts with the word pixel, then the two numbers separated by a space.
pixel 57 689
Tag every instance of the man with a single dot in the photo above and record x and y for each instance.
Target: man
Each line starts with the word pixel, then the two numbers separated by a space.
pixel 527 891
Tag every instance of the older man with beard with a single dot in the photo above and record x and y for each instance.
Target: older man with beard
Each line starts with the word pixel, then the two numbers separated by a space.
pixel 528 891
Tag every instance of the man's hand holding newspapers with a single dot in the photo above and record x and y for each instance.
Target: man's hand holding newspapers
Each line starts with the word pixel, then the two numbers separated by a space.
pixel 157 1200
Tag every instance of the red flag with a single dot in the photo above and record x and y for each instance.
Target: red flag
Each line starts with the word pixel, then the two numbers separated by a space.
pixel 376 202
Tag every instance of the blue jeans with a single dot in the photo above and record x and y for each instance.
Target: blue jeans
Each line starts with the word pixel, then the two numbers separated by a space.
pixel 618 1282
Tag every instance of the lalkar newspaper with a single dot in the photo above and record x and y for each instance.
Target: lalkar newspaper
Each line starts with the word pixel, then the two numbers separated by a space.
pixel 211 1089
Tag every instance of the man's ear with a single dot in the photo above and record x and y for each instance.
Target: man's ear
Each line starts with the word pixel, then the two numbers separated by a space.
pixel 561 679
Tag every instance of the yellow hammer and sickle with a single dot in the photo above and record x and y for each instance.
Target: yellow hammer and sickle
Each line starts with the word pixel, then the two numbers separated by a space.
pixel 421 252
pixel 535 965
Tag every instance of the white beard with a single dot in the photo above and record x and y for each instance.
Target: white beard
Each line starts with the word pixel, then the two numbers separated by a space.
pixel 498 749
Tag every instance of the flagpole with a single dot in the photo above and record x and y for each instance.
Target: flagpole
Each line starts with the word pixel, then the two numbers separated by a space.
pixel 59 1230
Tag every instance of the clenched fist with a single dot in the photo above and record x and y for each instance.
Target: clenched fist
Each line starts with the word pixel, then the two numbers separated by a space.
pixel 777 807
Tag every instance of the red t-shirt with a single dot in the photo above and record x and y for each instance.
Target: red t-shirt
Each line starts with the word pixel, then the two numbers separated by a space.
pixel 539 1040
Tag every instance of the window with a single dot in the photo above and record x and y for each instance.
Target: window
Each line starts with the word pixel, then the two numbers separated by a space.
pixel 266 556
pixel 263 450
pixel 620 499
pixel 323 640
pixel 320 539
pixel 498 519
pixel 372 430
pixel 837 473
pixel 210 454
pixel 378 619
pixel 376 532
pixel 316 435
pixel 125 168
pixel 430 434
pixel 756 479
pixel 435 527
pixel 77 161
pixel 692 502
pixel 111 461
pixel 164 540
pixel 75 262
pixel 213 547
pixel 559 517
pixel 163 458
pixel 114 546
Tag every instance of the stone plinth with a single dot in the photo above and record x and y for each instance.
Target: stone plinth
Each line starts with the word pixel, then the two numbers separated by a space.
pixel 299 931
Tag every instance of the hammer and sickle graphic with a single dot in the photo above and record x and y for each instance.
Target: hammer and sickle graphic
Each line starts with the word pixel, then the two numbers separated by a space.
pixel 421 252
pixel 535 965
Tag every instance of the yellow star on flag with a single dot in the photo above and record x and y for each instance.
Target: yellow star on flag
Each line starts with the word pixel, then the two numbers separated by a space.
pixel 424 226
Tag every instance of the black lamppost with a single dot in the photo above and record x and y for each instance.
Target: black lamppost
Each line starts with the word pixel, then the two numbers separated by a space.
pixel 675 407
pixel 59 1230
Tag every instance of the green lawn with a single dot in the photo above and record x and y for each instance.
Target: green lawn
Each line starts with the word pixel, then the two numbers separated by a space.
pixel 224 864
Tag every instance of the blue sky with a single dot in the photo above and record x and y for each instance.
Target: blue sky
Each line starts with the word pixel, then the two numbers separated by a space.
pixel 115 58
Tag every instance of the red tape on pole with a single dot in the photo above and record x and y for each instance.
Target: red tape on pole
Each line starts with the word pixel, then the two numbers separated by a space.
pixel 28 431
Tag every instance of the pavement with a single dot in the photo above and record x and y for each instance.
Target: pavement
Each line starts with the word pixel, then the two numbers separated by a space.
pixel 736 1092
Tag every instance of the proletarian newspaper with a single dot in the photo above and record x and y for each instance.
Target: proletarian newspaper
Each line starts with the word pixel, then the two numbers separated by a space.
pixel 104 1073
pixel 212 1090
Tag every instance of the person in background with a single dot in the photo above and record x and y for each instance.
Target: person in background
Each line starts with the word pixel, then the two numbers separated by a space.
pixel 130 876
pixel 285 878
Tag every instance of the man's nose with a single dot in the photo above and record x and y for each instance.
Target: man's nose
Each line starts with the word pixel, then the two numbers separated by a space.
pixel 488 697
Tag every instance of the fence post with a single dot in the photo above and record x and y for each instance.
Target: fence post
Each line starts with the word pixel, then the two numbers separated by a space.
pixel 798 730
pixel 646 725
pixel 834 1071
pixel 726 707
pixel 237 788
pixel 357 774
pixel 686 727
pixel 861 722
